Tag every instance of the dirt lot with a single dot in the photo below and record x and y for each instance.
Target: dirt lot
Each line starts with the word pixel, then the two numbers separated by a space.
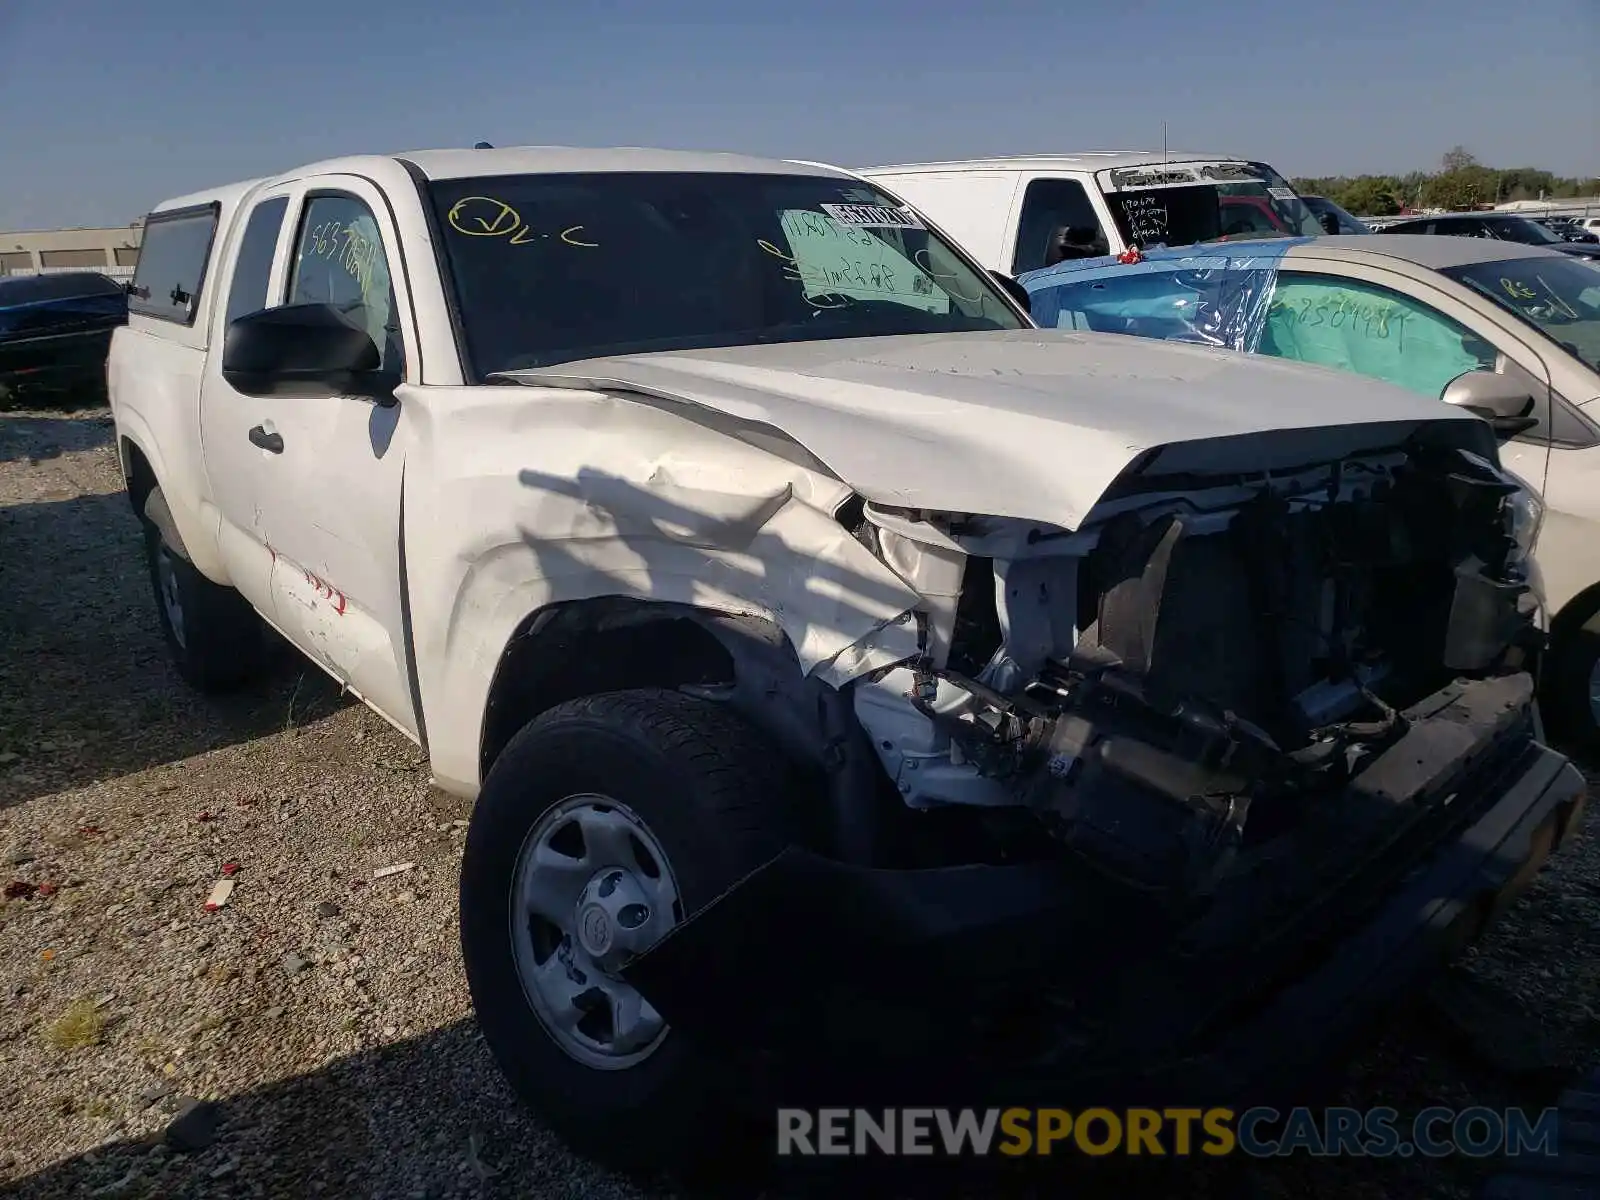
pixel 323 1010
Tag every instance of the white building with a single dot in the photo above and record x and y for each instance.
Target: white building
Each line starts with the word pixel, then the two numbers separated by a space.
pixel 111 251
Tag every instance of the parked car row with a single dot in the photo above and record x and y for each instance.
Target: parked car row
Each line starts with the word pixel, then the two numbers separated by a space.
pixel 1503 227
pixel 1570 229
pixel 851 677
pixel 1573 229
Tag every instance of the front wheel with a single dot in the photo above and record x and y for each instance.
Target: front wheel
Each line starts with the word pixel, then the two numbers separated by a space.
pixel 605 822
pixel 1571 685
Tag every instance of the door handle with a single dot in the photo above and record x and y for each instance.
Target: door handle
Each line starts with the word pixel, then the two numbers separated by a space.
pixel 270 442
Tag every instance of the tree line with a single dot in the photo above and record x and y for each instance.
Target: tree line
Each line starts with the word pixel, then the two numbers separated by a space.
pixel 1460 182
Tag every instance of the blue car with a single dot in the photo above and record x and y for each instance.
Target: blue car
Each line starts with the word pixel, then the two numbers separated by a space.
pixel 55 332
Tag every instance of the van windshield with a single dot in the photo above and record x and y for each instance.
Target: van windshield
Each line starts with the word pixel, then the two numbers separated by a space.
pixel 1187 203
pixel 559 267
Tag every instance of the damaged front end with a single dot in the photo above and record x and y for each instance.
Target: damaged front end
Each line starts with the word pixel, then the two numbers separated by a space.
pixel 1156 769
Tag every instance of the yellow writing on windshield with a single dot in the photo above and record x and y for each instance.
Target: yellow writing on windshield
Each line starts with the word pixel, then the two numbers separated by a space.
pixel 1516 290
pixel 487 216
pixel 483 216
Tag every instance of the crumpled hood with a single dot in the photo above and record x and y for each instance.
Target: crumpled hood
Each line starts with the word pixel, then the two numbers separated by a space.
pixel 1023 423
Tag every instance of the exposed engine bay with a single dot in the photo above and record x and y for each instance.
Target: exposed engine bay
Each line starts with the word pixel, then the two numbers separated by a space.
pixel 1206 664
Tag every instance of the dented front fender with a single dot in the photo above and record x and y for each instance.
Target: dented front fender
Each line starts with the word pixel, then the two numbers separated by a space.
pixel 517 501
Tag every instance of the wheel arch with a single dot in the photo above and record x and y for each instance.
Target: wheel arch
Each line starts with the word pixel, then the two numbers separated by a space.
pixel 577 648
pixel 183 518
pixel 138 475
pixel 1576 612
pixel 1565 673
pixel 613 643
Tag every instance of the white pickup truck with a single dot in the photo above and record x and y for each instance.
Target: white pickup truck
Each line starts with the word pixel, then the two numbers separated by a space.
pixel 1030 211
pixel 847 672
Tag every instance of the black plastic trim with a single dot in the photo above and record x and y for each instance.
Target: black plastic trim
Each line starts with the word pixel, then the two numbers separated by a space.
pixel 408 634
pixel 447 279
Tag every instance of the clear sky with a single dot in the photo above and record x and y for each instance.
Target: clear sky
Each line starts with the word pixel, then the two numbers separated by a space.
pixel 107 106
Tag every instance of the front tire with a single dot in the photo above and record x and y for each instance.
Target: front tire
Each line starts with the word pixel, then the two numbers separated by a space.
pixel 214 636
pixel 606 821
pixel 1571 685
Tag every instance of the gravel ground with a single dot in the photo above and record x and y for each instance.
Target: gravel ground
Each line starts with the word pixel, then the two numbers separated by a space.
pixel 313 1036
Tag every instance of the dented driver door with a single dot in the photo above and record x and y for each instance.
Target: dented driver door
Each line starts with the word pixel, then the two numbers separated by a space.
pixel 332 524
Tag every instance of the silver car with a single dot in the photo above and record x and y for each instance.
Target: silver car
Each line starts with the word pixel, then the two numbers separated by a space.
pixel 1499 325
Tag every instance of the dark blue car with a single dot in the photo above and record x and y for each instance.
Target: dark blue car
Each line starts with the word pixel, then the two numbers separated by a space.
pixel 55 333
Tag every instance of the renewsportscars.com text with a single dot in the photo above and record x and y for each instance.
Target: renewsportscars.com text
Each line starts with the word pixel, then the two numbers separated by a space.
pixel 1257 1132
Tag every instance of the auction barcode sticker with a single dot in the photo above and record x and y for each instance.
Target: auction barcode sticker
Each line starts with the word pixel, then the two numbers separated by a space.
pixel 873 216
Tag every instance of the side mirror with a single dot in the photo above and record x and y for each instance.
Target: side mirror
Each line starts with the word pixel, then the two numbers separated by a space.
pixel 303 350
pixel 1503 400
pixel 1329 222
pixel 1013 289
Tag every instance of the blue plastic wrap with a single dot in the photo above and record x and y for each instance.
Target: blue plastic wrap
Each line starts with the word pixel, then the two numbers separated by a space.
pixel 1215 299
pixel 1252 300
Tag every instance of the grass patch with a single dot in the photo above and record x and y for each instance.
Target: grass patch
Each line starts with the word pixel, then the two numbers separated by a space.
pixel 97 1108
pixel 213 1022
pixel 81 1025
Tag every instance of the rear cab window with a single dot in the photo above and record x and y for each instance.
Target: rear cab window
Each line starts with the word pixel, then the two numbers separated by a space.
pixel 171 275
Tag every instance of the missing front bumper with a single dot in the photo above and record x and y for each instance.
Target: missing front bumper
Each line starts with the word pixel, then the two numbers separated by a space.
pixel 913 955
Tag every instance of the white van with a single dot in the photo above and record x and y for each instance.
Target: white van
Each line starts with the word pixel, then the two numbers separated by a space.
pixel 1020 214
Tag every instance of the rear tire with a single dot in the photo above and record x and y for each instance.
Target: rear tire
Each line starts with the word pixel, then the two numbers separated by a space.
pixel 666 776
pixel 214 636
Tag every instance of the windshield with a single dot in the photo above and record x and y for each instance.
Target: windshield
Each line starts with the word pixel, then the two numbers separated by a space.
pixel 1521 229
pixel 1185 203
pixel 553 268
pixel 1559 297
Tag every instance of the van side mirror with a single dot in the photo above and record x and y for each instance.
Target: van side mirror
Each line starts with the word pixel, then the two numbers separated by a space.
pixel 304 350
pixel 1503 400
pixel 1013 289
